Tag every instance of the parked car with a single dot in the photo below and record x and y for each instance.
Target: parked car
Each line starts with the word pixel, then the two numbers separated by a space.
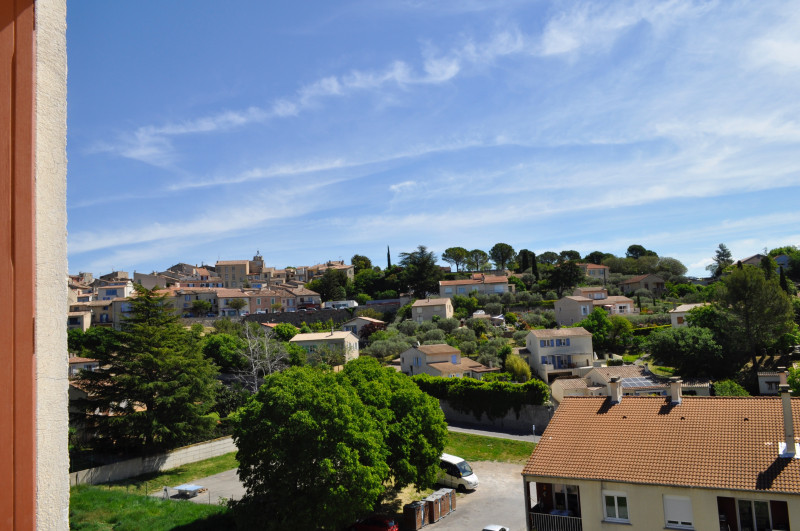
pixel 495 527
pixel 376 523
pixel 456 473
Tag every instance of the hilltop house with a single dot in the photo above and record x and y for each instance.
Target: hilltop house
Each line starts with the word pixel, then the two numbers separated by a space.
pixel 334 341
pixel 441 360
pixel 652 283
pixel 424 309
pixel 479 282
pixel 555 352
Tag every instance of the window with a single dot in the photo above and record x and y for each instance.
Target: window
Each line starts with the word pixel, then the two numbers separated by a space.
pixel 584 310
pixel 680 320
pixel 448 291
pixel 678 512
pixel 562 342
pixel 754 515
pixel 615 506
pixel 454 359
pixel 187 297
pixel 258 302
pixel 462 289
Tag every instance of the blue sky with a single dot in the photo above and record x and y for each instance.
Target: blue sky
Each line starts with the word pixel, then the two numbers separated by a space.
pixel 310 131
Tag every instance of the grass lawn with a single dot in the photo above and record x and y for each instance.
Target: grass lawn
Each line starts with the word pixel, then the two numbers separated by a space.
pixel 123 505
pixel 480 448
pixel 149 483
pixel 95 508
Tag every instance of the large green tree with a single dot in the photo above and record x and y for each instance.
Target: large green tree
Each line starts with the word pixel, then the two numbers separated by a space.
pixel 691 350
pixel 420 272
pixel 761 310
pixel 477 260
pixel 456 256
pixel 413 424
pixel 154 389
pixel 722 259
pixel 311 455
pixel 564 276
pixel 360 262
pixel 501 254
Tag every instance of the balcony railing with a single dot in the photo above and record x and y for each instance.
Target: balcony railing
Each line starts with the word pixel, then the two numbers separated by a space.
pixel 552 522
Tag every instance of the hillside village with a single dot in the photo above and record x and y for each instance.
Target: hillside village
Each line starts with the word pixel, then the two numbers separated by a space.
pixel 605 328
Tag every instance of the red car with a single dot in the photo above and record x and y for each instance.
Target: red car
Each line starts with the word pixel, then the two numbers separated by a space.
pixel 376 523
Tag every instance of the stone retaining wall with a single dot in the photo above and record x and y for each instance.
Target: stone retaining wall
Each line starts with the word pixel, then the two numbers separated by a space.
pixel 528 417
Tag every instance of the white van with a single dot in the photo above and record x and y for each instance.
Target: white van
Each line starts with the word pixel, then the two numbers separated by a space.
pixel 456 473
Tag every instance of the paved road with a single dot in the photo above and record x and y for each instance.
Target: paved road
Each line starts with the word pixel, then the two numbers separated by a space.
pixel 498 499
pixel 497 434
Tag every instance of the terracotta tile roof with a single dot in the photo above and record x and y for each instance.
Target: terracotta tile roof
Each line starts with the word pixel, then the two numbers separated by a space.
pixel 578 298
pixel 438 349
pixel 593 266
pixel 364 318
pixel 430 302
pixel 321 336
pixel 726 443
pixel 612 299
pixel 639 278
pixel 476 281
pixel 561 332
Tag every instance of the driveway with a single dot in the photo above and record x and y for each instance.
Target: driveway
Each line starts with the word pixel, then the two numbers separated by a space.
pixel 497 500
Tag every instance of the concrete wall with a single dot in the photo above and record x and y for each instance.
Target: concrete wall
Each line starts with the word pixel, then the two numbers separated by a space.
pixel 143 465
pixel 528 417
pixel 52 459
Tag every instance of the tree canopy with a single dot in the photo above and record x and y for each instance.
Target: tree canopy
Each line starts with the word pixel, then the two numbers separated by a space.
pixel 456 256
pixel 501 254
pixel 420 272
pixel 360 263
pixel 315 449
pixel 477 260
pixel 722 259
pixel 152 391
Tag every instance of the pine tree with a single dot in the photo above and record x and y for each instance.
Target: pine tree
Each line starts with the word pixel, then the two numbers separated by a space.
pixel 152 390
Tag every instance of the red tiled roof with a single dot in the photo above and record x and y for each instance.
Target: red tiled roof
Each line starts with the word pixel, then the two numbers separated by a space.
pixel 438 349
pixel 710 442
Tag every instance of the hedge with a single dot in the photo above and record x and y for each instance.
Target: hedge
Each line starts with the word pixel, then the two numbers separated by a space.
pixel 469 395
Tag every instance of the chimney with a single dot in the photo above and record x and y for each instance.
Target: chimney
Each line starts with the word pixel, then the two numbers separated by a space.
pixel 788 448
pixel 615 390
pixel 782 376
pixel 675 390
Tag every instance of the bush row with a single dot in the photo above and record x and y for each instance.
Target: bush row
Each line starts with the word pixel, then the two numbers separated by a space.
pixel 496 398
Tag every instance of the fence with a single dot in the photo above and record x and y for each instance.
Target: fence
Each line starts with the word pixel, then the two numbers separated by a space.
pixel 154 463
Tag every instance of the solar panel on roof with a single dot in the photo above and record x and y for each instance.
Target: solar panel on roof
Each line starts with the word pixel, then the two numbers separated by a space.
pixel 638 381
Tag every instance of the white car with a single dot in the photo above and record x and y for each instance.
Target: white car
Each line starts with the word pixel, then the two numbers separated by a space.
pixel 456 473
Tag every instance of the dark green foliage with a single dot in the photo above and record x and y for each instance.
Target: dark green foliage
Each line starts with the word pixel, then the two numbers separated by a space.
pixel 501 254
pixel 691 350
pixel 237 304
pixel 595 257
pixel 637 251
pixel 201 307
pixel 520 285
pixel 565 256
pixel 456 256
pixel 722 259
pixel 225 351
pixel 311 455
pixel 477 260
pixel 729 388
pixel 469 304
pixel 285 331
pixel 760 310
pixel 564 276
pixel 599 325
pixel 360 263
pixel 413 425
pixel 157 384
pixel 420 273
pixel 495 399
